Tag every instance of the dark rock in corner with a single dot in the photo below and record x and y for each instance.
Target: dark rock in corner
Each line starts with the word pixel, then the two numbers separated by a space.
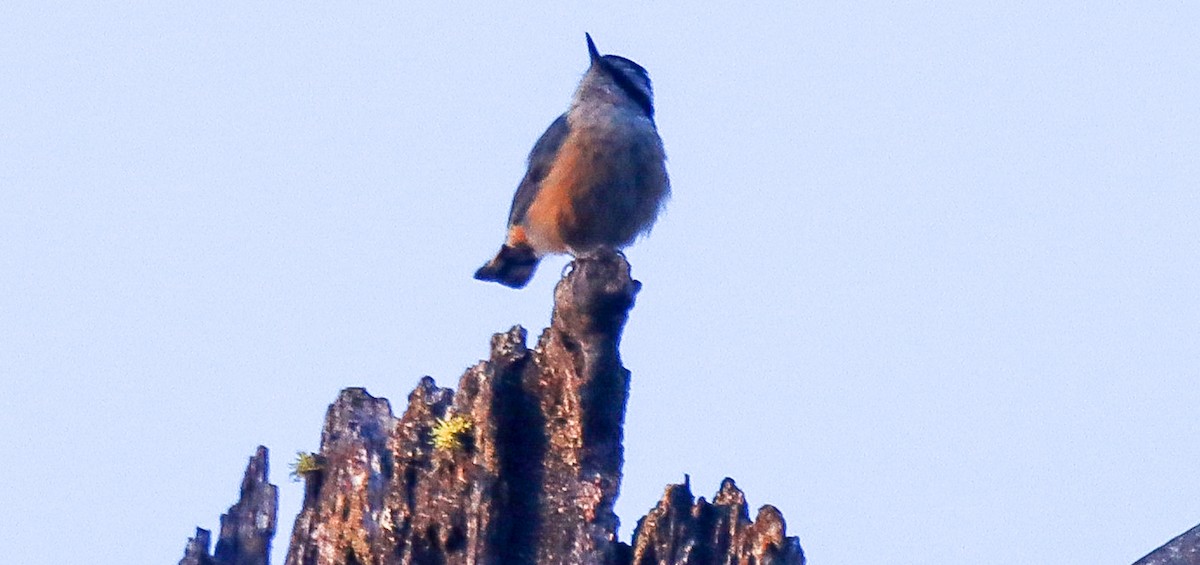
pixel 247 529
pixel 1183 550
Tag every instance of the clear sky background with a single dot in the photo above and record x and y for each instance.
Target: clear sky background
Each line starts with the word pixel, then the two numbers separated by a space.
pixel 928 282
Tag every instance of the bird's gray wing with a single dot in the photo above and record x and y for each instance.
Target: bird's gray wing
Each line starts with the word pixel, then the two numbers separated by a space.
pixel 541 158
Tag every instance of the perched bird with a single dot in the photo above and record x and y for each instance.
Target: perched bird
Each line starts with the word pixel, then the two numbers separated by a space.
pixel 597 177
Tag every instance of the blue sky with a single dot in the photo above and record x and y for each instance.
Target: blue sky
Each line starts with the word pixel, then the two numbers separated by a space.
pixel 927 282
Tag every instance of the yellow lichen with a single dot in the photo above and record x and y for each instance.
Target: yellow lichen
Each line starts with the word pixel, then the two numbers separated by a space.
pixel 448 433
pixel 304 464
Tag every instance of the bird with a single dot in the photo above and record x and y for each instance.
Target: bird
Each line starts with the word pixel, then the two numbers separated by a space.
pixel 596 178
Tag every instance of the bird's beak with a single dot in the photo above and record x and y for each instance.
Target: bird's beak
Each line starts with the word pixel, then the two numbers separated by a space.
pixel 592 52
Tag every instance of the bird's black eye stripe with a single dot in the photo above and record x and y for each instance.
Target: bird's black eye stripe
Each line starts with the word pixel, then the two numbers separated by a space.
pixel 639 96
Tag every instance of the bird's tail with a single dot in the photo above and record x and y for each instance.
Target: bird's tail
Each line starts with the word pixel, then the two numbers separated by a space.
pixel 513 266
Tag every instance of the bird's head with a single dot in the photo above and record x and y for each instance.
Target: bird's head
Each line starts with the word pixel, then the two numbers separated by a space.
pixel 621 80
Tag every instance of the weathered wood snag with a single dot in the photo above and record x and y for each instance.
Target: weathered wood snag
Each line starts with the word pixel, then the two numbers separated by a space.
pixel 532 472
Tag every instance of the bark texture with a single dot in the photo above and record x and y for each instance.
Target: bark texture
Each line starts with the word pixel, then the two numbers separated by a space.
pixel 535 477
